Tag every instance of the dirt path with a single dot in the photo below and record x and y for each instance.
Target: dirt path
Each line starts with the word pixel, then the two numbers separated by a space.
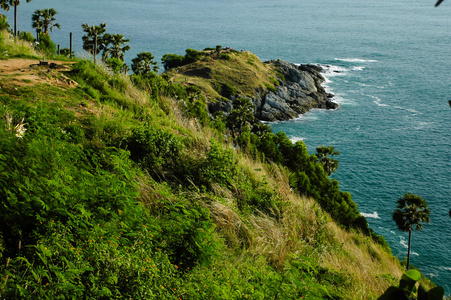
pixel 20 72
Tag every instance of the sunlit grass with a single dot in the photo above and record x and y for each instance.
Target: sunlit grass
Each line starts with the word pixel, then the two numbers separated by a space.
pixel 11 47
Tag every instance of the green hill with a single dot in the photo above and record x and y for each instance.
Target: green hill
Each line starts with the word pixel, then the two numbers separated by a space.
pixel 224 74
pixel 113 191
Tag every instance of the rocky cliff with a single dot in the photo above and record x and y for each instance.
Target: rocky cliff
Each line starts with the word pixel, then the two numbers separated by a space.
pixel 300 91
pixel 279 90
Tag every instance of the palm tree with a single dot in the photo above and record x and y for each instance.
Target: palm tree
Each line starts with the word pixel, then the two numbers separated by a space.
pixel 118 46
pixel 6 4
pixel 411 212
pixel 43 19
pixel 93 38
pixel 144 64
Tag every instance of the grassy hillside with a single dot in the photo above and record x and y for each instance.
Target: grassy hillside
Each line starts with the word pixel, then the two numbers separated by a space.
pixel 236 73
pixel 110 191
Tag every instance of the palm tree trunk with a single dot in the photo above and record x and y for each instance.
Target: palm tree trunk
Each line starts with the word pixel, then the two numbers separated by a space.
pixel 408 250
pixel 95 48
pixel 15 19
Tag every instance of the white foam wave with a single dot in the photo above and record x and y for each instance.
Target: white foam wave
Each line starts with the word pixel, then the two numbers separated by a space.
pixel 403 242
pixel 408 109
pixel 378 102
pixel 296 139
pixel 359 60
pixel 358 68
pixel 374 215
pixel 446 268
pixel 331 70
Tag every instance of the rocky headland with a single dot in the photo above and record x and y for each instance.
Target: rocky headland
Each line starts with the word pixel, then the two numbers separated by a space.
pixel 300 91
pixel 279 90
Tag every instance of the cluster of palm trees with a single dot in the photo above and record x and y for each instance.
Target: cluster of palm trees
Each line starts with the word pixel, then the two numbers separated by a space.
pixel 42 19
pixel 112 46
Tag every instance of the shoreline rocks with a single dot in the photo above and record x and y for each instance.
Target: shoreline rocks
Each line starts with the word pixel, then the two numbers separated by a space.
pixel 300 92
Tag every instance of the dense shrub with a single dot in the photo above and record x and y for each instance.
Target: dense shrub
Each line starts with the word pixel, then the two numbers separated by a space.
pixel 26 36
pixel 173 60
pixel 46 45
pixel 4 23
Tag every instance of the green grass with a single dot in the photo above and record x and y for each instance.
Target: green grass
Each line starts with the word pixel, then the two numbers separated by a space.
pixel 242 70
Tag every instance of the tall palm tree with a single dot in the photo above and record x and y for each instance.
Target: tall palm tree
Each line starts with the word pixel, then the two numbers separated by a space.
pixel 410 213
pixel 93 38
pixel 118 46
pixel 6 4
pixel 43 19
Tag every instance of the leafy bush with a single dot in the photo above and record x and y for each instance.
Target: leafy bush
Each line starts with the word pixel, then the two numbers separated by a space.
pixel 270 87
pixel 4 23
pixel 46 45
pixel 407 289
pixel 173 60
pixel 114 64
pixel 26 36
pixel 154 148
pixel 225 56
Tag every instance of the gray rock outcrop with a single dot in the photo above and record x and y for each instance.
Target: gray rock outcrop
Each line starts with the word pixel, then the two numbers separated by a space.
pixel 300 89
pixel 298 93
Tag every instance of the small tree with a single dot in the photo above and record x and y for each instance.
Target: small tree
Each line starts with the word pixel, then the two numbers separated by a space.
pixel 115 64
pixel 410 213
pixel 118 46
pixel 241 115
pixel 43 19
pixel 324 155
pixel 92 40
pixel 144 64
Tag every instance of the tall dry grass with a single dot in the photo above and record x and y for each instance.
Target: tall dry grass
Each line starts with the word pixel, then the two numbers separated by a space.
pixel 11 46
pixel 303 229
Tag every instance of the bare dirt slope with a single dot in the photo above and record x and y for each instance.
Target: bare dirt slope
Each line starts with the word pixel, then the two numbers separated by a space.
pixel 19 72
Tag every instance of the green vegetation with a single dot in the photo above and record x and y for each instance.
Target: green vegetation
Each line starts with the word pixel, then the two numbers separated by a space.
pixel 324 155
pixel 124 187
pixel 407 289
pixel 12 48
pixel 3 23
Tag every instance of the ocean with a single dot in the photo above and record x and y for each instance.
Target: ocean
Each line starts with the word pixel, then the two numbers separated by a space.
pixel 387 62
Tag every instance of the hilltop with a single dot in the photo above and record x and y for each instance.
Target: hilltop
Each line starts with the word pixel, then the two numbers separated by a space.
pixel 109 190
pixel 278 90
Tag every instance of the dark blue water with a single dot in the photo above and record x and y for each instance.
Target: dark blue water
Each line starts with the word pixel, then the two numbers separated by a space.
pixel 388 62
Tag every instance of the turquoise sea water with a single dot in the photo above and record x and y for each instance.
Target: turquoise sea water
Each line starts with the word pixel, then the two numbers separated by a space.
pixel 388 63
